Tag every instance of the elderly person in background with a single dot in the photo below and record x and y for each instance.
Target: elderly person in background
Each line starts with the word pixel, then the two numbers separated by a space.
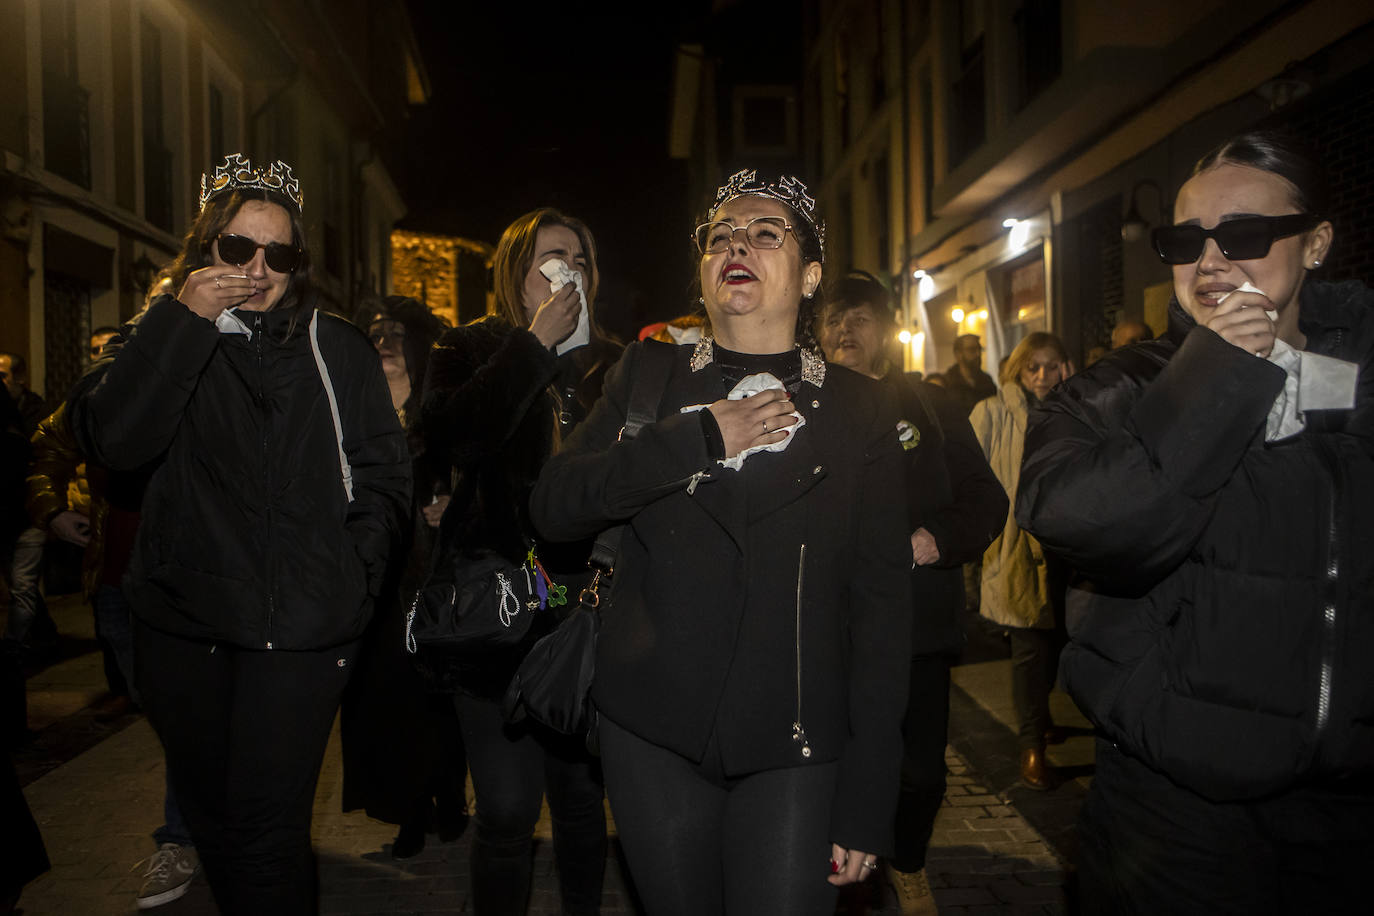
pixel 1022 588
pixel 751 678
pixel 955 507
pixel 1214 488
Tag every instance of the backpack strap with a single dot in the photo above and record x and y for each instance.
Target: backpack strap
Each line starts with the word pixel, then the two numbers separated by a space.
pixel 345 469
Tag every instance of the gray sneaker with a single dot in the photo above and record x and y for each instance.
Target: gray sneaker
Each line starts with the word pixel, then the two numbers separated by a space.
pixel 169 875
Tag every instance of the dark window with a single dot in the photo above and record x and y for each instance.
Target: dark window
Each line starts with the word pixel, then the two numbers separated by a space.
pixel 66 105
pixel 157 158
pixel 882 189
pixel 333 231
pixel 842 87
pixel 969 121
pixel 765 122
pixel 216 113
pixel 1038 31
pixel 879 67
pixel 927 100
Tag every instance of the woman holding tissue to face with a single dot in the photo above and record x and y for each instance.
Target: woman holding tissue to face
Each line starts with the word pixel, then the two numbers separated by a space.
pixel 1214 488
pixel 751 667
pixel 500 393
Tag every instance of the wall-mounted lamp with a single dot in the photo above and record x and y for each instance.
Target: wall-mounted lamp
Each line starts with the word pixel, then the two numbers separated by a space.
pixel 1292 84
pixel 1134 227
pixel 1010 222
pixel 957 314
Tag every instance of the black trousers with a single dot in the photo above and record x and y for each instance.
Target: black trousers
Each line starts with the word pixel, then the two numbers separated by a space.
pixel 1034 667
pixel 513 767
pixel 244 733
pixel 925 732
pixel 1149 846
pixel 698 843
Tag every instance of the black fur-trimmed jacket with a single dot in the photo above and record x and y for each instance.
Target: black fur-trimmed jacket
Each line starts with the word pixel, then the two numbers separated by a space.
pixel 1226 632
pixel 247 535
pixel 496 402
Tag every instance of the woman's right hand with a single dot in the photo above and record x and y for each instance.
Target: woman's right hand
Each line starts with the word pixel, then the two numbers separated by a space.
pixel 760 419
pixel 211 290
pixel 556 317
pixel 1240 321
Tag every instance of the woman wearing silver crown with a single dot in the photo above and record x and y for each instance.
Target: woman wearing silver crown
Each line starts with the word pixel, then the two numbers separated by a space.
pixel 277 479
pixel 751 668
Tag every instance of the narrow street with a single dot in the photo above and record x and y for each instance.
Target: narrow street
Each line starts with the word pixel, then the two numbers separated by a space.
pixel 95 788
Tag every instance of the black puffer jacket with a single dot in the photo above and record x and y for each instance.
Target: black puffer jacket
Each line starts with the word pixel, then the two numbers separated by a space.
pixel 246 534
pixel 1228 629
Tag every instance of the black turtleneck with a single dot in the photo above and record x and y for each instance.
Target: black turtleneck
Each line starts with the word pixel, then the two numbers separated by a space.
pixel 785 367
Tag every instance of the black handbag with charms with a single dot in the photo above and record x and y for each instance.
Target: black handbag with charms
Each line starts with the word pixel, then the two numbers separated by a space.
pixel 476 615
pixel 553 683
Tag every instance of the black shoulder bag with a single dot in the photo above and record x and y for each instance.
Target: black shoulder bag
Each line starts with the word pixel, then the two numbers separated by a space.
pixel 553 683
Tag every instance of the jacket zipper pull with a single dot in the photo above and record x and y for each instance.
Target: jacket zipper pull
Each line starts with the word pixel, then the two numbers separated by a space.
pixel 695 479
pixel 799 734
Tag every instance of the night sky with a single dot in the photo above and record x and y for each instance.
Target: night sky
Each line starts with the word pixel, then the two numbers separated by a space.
pixel 567 108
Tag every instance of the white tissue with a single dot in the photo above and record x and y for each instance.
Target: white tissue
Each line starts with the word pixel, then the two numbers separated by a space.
pixel 1314 383
pixel 753 384
pixel 560 276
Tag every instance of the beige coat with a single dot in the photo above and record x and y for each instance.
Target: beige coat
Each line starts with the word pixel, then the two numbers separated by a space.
pixel 1014 590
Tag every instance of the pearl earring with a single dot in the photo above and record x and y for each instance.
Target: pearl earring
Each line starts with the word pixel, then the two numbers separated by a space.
pixel 1316 263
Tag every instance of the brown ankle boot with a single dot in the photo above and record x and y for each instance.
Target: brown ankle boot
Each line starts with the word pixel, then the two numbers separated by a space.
pixel 1035 772
pixel 913 892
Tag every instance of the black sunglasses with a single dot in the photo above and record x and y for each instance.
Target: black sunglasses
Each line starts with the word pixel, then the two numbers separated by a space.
pixel 239 250
pixel 1239 239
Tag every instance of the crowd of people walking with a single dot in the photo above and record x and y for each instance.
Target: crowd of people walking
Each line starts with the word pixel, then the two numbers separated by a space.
pixel 268 491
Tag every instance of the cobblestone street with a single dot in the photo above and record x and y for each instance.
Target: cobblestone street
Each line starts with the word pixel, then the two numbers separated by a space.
pixel 97 810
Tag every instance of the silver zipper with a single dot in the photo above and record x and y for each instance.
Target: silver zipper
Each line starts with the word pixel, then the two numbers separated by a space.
pixel 1328 620
pixel 799 733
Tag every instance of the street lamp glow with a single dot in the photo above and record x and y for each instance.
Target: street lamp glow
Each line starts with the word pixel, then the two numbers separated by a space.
pixel 904 336
pixel 957 314
pixel 919 274
pixel 1010 222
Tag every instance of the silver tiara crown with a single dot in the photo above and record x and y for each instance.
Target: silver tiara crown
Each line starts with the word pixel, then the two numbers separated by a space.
pixel 238 172
pixel 788 189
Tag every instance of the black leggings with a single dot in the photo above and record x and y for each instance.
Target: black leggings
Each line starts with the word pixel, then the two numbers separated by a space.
pixel 513 767
pixel 699 843
pixel 244 731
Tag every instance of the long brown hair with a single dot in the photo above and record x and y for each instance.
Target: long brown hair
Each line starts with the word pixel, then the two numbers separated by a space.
pixel 515 255
pixel 219 212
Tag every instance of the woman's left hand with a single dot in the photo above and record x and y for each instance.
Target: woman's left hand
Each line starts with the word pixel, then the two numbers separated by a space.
pixel 435 510
pixel 851 863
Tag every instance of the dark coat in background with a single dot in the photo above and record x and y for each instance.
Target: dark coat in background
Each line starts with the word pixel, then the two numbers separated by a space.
pixel 247 536
pixel 402 747
pixel 1225 633
pixel 952 493
pixel 747 601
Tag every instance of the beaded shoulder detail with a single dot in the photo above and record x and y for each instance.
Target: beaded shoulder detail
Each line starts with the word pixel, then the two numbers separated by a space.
pixel 813 367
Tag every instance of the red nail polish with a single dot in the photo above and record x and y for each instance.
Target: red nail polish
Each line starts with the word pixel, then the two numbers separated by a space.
pixel 834 867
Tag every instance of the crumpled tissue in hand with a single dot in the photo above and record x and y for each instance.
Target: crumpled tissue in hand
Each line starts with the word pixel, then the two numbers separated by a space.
pixel 1314 382
pixel 753 384
pixel 560 276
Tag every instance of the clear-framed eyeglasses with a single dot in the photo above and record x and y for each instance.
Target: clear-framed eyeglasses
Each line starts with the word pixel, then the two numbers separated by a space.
pixel 761 232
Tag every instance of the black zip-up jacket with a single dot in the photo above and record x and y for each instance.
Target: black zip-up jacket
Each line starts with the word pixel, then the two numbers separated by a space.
pixel 247 536
pixel 766 609
pixel 1227 630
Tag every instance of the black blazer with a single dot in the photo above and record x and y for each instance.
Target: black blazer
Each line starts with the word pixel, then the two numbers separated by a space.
pixel 769 607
